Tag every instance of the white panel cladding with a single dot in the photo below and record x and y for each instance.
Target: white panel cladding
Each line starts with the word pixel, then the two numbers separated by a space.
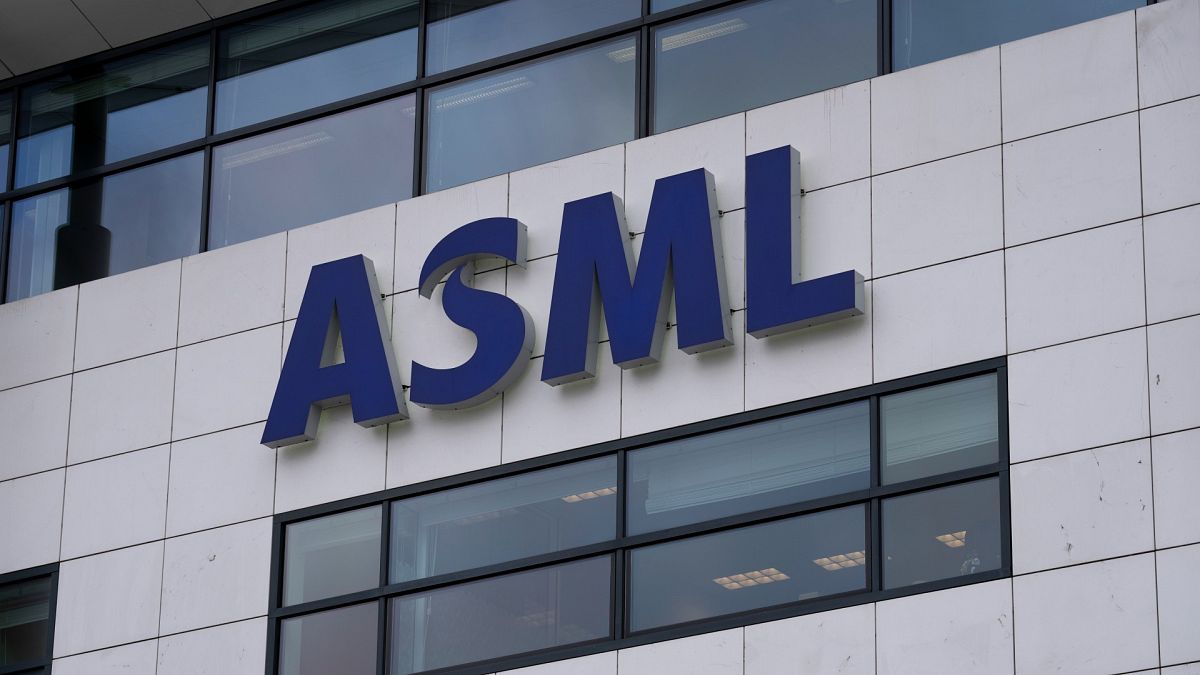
pixel 1069 76
pixel 1076 286
pixel 128 315
pixel 934 212
pixel 536 195
pixel 108 599
pixel 1179 604
pixel 1093 618
pixel 38 335
pixel 933 111
pixel 1168 35
pixel 216 576
pixel 1176 509
pixel 115 502
pixel 1172 275
pixel 219 479
pixel 31 527
pixel 938 316
pixel 344 460
pixel 139 658
pixel 1080 507
pixel 1187 669
pixel 832 127
pixel 121 407
pixel 1078 395
pixel 719 146
pixel 1171 155
pixel 961 630
pixel 35 419
pixel 1072 179
pixel 835 230
pixel 370 233
pixel 841 641
pixel 232 289
pixel 720 653
pixel 439 443
pixel 597 664
pixel 1174 375
pixel 227 382
pixel 531 288
pixel 231 649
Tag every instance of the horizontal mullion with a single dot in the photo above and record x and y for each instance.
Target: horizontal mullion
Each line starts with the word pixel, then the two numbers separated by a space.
pixel 940 480
pixel 99 172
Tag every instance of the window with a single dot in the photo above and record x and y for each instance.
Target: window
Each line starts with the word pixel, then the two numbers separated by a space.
pixel 318 54
pixel 929 30
pixel 762 515
pixel 757 53
pixel 27 601
pixel 5 140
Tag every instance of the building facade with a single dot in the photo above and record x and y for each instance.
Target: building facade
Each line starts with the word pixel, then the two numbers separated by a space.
pixel 956 433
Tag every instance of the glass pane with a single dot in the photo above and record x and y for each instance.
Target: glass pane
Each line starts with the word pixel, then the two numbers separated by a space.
pixel 322 53
pixel 530 114
pixel 24 621
pixel 511 614
pixel 5 137
pixel 462 32
pixel 339 641
pixel 660 5
pixel 127 221
pixel 133 106
pixel 773 463
pixel 748 568
pixel 928 30
pixel 506 519
pixel 940 534
pixel 330 556
pixel 312 172
pixel 759 53
pixel 952 426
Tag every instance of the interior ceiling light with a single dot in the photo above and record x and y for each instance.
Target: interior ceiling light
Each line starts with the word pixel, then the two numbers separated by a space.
pixel 953 539
pixel 747 579
pixel 485 92
pixel 623 55
pixel 842 561
pixel 276 149
pixel 691 37
pixel 590 494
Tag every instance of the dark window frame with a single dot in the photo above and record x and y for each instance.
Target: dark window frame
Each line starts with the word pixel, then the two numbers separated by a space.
pixel 620 547
pixel 50 571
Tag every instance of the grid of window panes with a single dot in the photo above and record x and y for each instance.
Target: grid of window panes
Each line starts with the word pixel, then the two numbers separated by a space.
pixel 892 490
pixel 280 118
pixel 27 600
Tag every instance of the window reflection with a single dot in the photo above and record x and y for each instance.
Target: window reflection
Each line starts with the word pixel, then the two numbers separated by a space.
pixel 5 137
pixel 132 106
pixel 758 53
pixel 24 621
pixel 341 641
pixel 319 54
pixel 530 114
pixel 940 429
pixel 462 32
pixel 331 556
pixel 312 172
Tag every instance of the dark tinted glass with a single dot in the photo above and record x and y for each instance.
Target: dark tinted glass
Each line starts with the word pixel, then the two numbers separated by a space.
pixel 748 568
pixel 506 519
pixel 660 5
pixel 758 53
pixel 133 106
pixel 321 53
pixel 530 114
pixel 462 32
pixel 511 614
pixel 312 172
pixel 757 466
pixel 127 221
pixel 928 30
pixel 5 137
pixel 341 641
pixel 940 429
pixel 334 555
pixel 24 621
pixel 941 534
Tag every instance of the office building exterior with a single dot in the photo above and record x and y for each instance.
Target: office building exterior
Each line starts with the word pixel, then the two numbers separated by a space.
pixel 599 336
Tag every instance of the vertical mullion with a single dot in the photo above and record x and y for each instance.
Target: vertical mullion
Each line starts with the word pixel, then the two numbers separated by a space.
pixel 5 249
pixel 381 639
pixel 885 36
pixel 276 593
pixel 875 515
pixel 6 221
pixel 12 139
pixel 209 127
pixel 645 86
pixel 618 560
pixel 418 158
pixel 385 550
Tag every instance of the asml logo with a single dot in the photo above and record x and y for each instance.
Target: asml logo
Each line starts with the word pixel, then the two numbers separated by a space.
pixel 595 272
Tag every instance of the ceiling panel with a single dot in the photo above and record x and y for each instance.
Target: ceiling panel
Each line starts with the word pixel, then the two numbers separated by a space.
pixel 222 7
pixel 4 72
pixel 124 21
pixel 39 33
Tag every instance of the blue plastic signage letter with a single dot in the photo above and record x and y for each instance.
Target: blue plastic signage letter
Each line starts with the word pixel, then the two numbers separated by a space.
pixel 503 328
pixel 682 238
pixel 776 301
pixel 341 297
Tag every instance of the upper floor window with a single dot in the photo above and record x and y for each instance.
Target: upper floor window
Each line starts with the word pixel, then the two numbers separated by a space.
pixel 5 133
pixel 27 620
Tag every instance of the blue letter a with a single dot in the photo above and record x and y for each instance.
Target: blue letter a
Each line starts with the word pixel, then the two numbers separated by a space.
pixel 341 296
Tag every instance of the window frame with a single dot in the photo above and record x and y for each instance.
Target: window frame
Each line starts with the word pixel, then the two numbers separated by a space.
pixel 621 547
pixel 50 571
